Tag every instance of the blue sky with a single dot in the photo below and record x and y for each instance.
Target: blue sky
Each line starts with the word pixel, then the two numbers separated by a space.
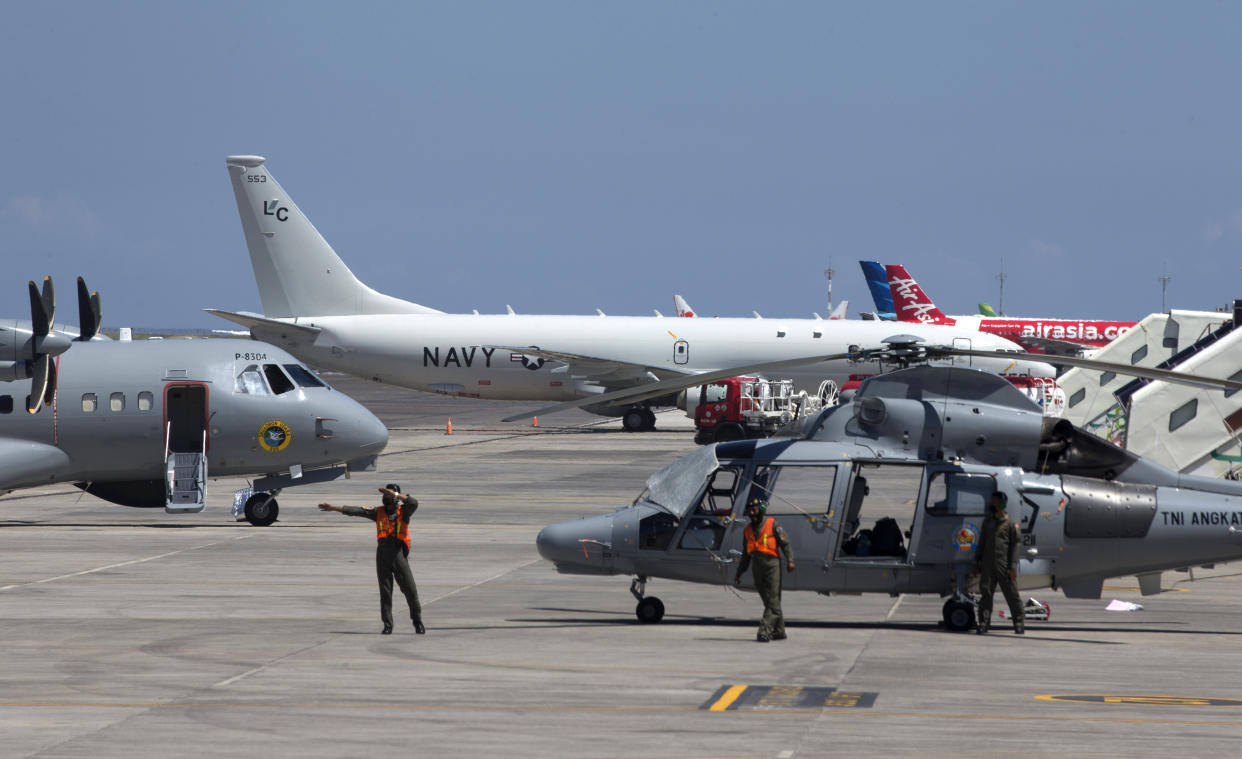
pixel 564 156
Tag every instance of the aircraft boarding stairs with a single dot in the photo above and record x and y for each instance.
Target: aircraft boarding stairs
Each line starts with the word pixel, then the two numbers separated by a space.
pixel 1090 394
pixel 1190 430
pixel 185 482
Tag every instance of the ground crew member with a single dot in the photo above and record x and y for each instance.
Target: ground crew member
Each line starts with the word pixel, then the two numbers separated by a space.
pixel 392 528
pixel 996 561
pixel 763 535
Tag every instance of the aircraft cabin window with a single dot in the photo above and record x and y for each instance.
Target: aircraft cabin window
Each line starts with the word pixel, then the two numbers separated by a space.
pixel 1183 414
pixel 880 510
pixel 303 376
pixel 655 532
pixel 1077 397
pixel 801 490
pixel 706 528
pixel 959 494
pixel 145 400
pixel 250 382
pixel 279 381
pixel 6 404
pixel 89 403
pixel 116 401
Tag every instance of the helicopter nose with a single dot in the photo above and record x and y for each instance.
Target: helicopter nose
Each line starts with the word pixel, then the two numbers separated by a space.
pixel 582 545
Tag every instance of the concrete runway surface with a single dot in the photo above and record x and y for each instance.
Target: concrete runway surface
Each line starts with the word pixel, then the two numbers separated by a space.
pixel 128 632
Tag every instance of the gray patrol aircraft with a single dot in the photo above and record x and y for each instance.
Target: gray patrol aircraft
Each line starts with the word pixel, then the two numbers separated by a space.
pixel 887 494
pixel 318 310
pixel 140 423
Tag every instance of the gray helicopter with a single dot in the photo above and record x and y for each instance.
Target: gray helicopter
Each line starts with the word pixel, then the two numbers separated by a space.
pixel 139 422
pixel 887 494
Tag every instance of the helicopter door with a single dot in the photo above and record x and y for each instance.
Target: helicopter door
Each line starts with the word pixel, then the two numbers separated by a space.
pixel 953 515
pixel 699 544
pixel 875 551
pixel 800 499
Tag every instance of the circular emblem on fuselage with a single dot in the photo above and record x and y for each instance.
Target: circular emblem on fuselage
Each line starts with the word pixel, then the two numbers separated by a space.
pixel 532 362
pixel 274 435
pixel 965 537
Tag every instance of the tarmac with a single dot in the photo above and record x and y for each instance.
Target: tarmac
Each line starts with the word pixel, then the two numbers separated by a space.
pixel 130 632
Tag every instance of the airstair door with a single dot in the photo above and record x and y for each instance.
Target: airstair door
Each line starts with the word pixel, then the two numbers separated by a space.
pixel 185 449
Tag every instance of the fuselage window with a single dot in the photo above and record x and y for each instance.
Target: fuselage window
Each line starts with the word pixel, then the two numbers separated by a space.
pixel 89 403
pixel 277 379
pixel 803 490
pixel 116 401
pixel 303 376
pixel 145 400
pixel 959 493
pixel 250 382
pixel 6 404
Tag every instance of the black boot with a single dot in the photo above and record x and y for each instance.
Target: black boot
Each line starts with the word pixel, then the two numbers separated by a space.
pixel 981 627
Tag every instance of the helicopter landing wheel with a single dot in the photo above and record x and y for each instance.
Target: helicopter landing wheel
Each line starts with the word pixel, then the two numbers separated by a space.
pixel 959 616
pixel 649 610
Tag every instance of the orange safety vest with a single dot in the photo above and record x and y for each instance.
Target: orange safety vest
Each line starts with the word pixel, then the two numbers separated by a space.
pixel 766 542
pixel 387 528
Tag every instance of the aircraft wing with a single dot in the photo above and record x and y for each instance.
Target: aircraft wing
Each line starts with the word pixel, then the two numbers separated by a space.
pixel 675 384
pixel 605 371
pixel 1145 372
pixel 251 321
pixel 26 462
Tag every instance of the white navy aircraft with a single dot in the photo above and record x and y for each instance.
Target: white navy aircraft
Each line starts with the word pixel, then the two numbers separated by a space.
pixel 141 423
pixel 319 311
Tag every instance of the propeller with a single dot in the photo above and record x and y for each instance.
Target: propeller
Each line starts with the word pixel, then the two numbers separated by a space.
pixel 89 312
pixel 44 344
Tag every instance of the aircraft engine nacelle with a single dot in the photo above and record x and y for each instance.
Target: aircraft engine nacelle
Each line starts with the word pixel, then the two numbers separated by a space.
pixel 14 370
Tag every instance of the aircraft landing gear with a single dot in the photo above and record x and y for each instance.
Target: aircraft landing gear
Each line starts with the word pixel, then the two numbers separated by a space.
pixel 261 509
pixel 650 609
pixel 638 419
pixel 959 614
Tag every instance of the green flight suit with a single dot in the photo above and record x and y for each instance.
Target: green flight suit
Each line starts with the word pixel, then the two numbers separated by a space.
pixel 391 562
pixel 1000 541
pixel 766 574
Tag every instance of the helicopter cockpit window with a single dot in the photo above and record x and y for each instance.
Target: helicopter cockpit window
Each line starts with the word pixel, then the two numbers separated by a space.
pixel 250 382
pixel 303 376
pixel 801 490
pixel 958 493
pixel 655 532
pixel 279 381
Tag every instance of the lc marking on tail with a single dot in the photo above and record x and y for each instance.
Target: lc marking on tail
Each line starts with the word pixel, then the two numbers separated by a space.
pixel 270 209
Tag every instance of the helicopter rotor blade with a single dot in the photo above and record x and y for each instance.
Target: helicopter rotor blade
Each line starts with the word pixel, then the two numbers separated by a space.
pixel 1145 372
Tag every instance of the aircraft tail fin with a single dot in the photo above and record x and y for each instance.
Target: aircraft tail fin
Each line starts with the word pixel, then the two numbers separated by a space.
pixel 986 309
pixel 840 311
pixel 912 303
pixel 683 308
pixel 297 271
pixel 877 282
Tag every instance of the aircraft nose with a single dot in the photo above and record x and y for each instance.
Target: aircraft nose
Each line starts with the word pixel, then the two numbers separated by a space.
pixel 577 546
pixel 355 431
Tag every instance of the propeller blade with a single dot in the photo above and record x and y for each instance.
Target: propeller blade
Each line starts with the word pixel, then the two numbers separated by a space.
pixel 52 373
pixel 40 314
pixel 40 368
pixel 89 313
pixel 49 302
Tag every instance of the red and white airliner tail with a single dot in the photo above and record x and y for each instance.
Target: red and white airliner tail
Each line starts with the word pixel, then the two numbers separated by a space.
pixel 909 300
pixel 1055 336
pixel 683 308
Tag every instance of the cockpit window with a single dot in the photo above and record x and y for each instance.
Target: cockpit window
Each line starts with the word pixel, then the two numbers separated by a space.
pixel 303 376
pixel 279 381
pixel 250 382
